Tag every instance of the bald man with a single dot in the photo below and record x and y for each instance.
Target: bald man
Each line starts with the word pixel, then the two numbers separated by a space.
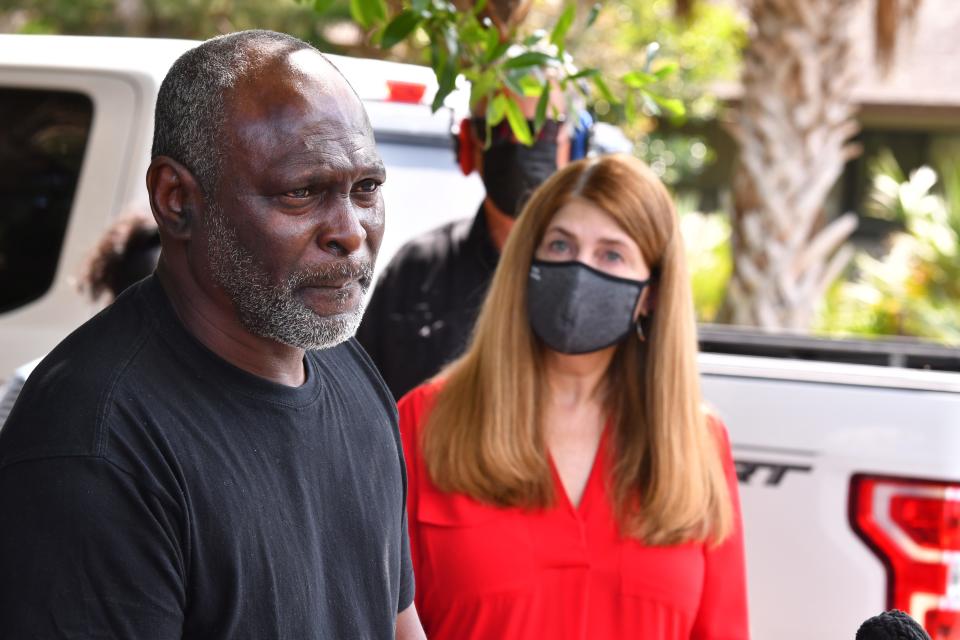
pixel 213 456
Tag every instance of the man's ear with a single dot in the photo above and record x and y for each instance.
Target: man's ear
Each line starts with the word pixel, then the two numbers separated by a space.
pixel 175 196
pixel 463 144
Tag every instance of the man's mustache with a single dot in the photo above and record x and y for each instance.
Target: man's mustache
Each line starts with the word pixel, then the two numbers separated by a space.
pixel 336 273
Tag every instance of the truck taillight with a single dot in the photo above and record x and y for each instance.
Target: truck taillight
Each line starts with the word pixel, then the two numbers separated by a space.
pixel 408 92
pixel 914 528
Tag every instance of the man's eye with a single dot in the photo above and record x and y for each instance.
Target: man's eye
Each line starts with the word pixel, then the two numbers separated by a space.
pixel 299 193
pixel 367 186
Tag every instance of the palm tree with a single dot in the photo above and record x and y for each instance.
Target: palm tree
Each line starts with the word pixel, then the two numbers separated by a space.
pixel 794 127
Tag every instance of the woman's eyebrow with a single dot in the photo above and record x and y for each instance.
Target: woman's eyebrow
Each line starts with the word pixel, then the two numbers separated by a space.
pixel 615 242
pixel 561 231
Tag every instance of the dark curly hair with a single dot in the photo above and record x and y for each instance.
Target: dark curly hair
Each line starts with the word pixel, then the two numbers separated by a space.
pixel 126 253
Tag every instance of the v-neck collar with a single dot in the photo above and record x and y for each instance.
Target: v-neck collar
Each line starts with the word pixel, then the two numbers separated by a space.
pixel 594 480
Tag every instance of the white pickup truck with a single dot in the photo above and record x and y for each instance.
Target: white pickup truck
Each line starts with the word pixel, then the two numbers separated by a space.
pixel 849 473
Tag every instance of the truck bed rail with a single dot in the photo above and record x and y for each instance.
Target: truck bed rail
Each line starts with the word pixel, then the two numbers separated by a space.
pixel 889 352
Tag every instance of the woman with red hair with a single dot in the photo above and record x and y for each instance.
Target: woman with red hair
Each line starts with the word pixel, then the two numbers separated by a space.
pixel 564 478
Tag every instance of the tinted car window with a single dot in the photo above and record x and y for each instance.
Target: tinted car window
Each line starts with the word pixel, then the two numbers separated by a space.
pixel 43 136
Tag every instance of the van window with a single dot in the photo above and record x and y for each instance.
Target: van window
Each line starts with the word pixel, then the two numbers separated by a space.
pixel 42 141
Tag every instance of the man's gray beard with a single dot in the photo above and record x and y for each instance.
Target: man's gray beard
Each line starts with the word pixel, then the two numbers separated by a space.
pixel 272 310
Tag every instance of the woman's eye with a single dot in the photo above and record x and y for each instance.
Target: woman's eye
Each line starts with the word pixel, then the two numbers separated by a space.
pixel 367 186
pixel 299 193
pixel 558 246
pixel 612 256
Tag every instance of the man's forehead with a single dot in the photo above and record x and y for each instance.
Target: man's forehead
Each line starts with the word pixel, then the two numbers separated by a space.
pixel 309 62
pixel 297 94
pixel 287 79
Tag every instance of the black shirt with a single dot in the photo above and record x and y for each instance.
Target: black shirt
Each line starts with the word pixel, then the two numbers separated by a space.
pixel 149 489
pixel 426 302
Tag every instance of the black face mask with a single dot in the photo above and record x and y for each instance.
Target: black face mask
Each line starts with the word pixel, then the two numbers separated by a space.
pixel 575 309
pixel 511 170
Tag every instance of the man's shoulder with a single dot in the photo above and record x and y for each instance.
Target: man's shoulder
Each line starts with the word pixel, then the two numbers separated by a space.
pixel 61 407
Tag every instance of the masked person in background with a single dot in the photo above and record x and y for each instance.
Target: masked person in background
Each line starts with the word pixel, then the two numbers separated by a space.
pixel 565 481
pixel 426 301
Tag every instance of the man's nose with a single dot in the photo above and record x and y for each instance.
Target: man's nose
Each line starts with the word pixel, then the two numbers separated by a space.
pixel 342 235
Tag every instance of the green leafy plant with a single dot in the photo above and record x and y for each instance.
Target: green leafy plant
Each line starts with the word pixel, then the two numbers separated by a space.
pixel 705 44
pixel 913 289
pixel 706 237
pixel 674 156
pixel 503 63
pixel 193 19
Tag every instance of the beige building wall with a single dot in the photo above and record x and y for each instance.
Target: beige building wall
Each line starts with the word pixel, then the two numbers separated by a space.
pixel 923 86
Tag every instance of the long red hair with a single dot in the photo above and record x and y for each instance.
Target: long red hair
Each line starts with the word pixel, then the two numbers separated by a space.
pixel 484 436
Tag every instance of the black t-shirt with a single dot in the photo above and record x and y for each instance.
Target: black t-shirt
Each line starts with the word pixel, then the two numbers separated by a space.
pixel 149 489
pixel 426 302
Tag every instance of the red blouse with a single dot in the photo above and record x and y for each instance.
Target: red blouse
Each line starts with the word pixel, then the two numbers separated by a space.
pixel 563 572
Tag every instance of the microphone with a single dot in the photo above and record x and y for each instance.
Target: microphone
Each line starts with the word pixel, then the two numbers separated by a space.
pixel 891 625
